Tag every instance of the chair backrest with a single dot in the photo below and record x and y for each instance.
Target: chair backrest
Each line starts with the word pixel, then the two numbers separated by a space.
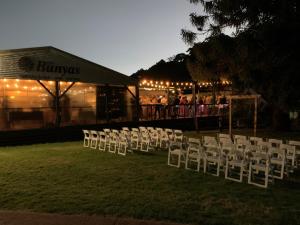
pixel 238 137
pixel 295 143
pixel 159 129
pixel 194 143
pixel 209 141
pixel 225 140
pixel 224 136
pixel 278 153
pixel 86 133
pixel 178 135
pixel 142 129
pixel 106 130
pixel 255 140
pixel 94 133
pixel 275 142
pixel 102 135
pixel 175 145
pixel 289 149
pixel 125 128
pixel 264 146
pixel 169 131
pixel 135 129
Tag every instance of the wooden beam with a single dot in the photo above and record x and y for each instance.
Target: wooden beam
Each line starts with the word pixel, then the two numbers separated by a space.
pixel 46 88
pixel 71 85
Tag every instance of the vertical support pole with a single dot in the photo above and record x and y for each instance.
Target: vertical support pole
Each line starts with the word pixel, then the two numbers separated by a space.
pixel 57 105
pixel 255 116
pixel 230 116
pixel 137 102
pixel 194 106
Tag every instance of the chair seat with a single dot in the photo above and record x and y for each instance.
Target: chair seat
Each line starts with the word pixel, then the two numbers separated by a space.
pixel 277 161
pixel 261 167
pixel 238 163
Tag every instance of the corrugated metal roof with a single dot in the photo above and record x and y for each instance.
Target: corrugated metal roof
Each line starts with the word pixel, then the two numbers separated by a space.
pixel 49 63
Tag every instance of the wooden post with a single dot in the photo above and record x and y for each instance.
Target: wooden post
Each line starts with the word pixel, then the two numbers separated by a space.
pixel 230 116
pixel 57 105
pixel 194 106
pixel 137 102
pixel 255 115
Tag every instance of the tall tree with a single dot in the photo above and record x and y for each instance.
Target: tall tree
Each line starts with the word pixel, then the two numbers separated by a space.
pixel 264 48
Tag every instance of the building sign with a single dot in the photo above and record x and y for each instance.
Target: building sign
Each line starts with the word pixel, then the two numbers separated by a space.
pixel 28 65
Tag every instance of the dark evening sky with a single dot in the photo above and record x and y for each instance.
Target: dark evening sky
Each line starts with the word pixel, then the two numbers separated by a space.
pixel 124 35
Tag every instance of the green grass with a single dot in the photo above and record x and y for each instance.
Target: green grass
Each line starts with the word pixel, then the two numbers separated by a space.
pixel 67 178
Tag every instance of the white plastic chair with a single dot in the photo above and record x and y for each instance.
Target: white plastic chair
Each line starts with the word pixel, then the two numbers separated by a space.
pixel 194 154
pixel 175 155
pixel 87 138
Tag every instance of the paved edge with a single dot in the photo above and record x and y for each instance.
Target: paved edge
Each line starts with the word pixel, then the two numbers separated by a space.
pixel 32 218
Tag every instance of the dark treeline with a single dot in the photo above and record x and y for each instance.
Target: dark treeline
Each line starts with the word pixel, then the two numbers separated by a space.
pixel 261 55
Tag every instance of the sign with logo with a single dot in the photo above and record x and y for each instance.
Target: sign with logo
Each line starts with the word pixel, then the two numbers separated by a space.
pixel 28 65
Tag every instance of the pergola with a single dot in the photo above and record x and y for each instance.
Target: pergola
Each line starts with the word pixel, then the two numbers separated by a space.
pixel 243 97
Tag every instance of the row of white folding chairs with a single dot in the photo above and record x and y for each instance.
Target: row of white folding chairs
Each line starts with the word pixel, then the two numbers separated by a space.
pixel 214 156
pixel 159 136
pixel 111 140
pixel 293 155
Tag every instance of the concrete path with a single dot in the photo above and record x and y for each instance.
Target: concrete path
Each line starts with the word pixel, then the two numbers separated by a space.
pixel 30 218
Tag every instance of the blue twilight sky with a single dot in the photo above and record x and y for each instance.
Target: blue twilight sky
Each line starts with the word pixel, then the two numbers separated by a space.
pixel 124 35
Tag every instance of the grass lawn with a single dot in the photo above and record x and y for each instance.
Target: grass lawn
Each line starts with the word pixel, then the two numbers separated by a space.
pixel 67 178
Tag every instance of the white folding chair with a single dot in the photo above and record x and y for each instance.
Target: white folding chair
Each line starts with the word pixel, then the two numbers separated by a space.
pixel 175 154
pixel 145 142
pixel 126 129
pixel 134 140
pixel 297 151
pixel 123 145
pixel 235 165
pixel 154 138
pixel 290 156
pixel 164 140
pixel 113 142
pixel 87 138
pixel 94 139
pixel 264 146
pixel 212 160
pixel 194 154
pixel 259 170
pixel 135 130
pixel 103 140
pixel 277 162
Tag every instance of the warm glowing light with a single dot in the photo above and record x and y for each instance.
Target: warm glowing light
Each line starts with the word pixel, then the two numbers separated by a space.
pixel 16 85
pixel 186 84
pixel 25 87
pixel 12 97
pixel 4 80
pixel 17 80
pixel 161 82
pixel 7 86
pixel 181 84
pixel 177 83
